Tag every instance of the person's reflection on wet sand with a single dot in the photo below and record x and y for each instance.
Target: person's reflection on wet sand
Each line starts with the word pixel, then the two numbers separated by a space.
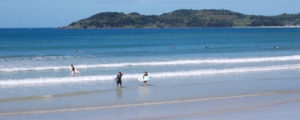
pixel 119 92
pixel 143 91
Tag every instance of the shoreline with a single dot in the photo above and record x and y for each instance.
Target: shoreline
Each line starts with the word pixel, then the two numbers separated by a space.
pixel 61 28
pixel 236 97
pixel 188 27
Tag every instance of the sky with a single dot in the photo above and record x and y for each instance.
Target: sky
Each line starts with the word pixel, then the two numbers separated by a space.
pixel 59 13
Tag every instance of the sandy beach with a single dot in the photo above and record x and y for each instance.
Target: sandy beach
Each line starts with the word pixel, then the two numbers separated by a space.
pixel 277 106
pixel 195 100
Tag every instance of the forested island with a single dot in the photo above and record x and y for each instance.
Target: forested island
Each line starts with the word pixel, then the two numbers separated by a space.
pixel 184 18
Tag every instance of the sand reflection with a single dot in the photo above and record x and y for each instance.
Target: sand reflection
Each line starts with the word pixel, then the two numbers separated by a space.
pixel 144 90
pixel 119 92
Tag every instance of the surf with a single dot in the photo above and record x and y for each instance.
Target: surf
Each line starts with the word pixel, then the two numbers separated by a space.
pixel 161 63
pixel 134 76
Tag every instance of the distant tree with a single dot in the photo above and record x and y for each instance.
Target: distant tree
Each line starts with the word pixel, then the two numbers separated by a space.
pixel 196 22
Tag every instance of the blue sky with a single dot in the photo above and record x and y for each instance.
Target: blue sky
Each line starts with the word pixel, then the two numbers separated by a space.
pixel 58 13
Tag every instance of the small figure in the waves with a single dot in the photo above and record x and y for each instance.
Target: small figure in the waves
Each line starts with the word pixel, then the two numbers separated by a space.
pixel 145 80
pixel 173 47
pixel 77 50
pixel 73 70
pixel 119 79
pixel 206 47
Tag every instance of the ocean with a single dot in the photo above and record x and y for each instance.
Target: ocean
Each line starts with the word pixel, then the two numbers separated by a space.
pixel 35 75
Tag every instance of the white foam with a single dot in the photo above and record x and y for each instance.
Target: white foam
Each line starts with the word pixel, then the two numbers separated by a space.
pixel 33 68
pixel 41 58
pixel 80 79
pixel 163 63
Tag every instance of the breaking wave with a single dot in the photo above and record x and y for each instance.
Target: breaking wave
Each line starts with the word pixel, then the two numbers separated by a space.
pixel 158 75
pixel 161 63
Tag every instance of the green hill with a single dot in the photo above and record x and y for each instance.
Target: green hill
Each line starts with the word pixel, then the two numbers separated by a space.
pixel 184 18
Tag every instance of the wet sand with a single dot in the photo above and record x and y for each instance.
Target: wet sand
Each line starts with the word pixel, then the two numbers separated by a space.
pixel 272 105
pixel 221 99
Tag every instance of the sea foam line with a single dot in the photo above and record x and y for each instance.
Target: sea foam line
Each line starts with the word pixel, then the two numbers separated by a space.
pixel 80 79
pixel 163 63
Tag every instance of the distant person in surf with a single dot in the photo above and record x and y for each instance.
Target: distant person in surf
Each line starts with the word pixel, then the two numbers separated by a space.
pixel 119 79
pixel 77 50
pixel 145 81
pixel 72 68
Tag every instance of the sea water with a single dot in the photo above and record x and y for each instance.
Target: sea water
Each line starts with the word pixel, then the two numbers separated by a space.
pixel 34 64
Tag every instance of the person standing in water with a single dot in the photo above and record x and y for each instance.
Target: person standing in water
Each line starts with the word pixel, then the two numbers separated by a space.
pixel 145 81
pixel 119 79
pixel 72 69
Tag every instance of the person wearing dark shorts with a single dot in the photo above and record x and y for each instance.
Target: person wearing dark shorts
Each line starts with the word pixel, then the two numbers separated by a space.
pixel 145 81
pixel 73 69
pixel 119 79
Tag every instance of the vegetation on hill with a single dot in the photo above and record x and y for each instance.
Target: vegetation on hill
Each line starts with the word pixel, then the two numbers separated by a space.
pixel 184 18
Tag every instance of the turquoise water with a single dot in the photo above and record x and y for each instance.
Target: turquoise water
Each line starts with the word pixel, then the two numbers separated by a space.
pixel 34 64
pixel 47 53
